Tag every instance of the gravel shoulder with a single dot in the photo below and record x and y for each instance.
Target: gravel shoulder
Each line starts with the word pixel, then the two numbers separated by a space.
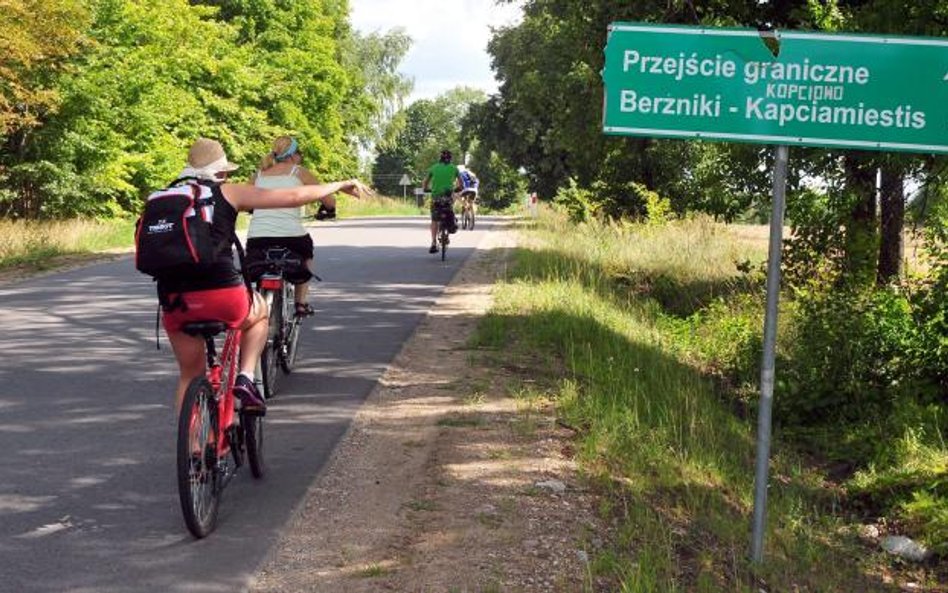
pixel 444 481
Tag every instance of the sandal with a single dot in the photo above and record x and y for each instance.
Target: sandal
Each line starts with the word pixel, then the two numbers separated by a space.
pixel 304 310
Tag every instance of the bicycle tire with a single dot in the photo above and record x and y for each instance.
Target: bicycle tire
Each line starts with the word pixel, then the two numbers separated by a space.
pixel 252 426
pixel 270 359
pixel 444 244
pixel 470 225
pixel 198 470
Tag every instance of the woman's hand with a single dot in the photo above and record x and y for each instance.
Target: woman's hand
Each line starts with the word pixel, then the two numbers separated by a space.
pixel 357 189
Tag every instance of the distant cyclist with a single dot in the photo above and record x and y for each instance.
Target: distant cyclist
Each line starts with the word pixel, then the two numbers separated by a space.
pixel 442 180
pixel 283 227
pixel 469 186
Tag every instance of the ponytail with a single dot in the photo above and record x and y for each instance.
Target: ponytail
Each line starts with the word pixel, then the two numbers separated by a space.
pixel 283 148
pixel 267 161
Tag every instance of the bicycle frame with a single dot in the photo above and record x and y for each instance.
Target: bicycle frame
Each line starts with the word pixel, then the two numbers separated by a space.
pixel 222 373
pixel 211 430
pixel 280 295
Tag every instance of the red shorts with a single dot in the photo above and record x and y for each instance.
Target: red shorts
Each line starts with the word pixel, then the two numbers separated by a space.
pixel 229 305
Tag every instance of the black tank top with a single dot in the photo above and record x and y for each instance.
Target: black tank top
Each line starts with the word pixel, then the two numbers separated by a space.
pixel 221 273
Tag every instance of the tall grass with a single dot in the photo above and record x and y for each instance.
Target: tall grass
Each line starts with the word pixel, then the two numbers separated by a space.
pixel 675 462
pixel 348 207
pixel 34 242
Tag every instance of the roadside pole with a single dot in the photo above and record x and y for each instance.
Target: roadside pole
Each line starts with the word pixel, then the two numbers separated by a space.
pixel 765 412
pixel 405 181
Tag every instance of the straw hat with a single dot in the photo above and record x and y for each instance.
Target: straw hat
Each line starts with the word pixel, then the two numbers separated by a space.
pixel 206 159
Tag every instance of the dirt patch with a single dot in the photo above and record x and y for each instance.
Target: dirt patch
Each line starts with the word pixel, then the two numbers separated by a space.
pixel 444 482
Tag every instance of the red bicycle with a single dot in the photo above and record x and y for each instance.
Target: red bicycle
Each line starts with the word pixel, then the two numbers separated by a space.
pixel 213 434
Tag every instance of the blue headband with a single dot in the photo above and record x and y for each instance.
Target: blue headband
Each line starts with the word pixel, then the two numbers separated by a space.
pixel 290 151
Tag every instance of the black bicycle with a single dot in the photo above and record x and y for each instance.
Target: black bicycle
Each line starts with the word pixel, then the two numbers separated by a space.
pixel 445 208
pixel 280 295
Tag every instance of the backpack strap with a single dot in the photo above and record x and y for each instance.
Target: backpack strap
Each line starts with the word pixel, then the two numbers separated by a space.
pixel 241 256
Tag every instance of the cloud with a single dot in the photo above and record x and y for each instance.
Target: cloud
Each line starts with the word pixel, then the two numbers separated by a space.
pixel 450 38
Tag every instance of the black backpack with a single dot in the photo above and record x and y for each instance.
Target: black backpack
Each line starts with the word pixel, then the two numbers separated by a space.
pixel 173 232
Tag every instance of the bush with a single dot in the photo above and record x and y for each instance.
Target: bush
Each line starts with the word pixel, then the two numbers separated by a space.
pixel 576 202
pixel 846 355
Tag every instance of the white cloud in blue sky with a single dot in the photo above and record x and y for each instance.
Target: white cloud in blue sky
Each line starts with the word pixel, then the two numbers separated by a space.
pixel 449 38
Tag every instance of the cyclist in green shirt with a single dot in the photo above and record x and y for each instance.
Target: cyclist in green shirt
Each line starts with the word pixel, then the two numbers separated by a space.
pixel 442 180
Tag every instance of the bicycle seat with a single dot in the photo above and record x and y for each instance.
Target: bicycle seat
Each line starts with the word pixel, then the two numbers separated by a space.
pixel 208 329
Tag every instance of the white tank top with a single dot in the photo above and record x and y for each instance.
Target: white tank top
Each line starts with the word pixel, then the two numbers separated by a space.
pixel 277 222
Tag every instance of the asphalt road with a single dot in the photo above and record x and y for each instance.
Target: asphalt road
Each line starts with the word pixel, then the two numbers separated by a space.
pixel 88 497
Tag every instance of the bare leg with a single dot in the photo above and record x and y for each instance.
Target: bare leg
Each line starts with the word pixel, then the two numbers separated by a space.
pixel 434 231
pixel 254 338
pixel 189 352
pixel 302 289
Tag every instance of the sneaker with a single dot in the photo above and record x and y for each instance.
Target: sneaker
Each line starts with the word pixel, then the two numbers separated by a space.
pixel 433 248
pixel 250 399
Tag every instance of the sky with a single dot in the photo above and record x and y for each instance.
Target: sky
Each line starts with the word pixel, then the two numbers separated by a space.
pixel 449 39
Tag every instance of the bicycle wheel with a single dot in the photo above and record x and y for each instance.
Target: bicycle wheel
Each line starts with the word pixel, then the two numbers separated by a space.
pixel 198 474
pixel 270 359
pixel 253 440
pixel 444 243
pixel 290 331
pixel 470 223
pixel 292 346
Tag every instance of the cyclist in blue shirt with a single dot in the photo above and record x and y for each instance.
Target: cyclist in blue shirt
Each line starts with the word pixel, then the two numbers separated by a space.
pixel 469 186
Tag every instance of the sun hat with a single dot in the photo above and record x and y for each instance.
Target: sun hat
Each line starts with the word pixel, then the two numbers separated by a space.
pixel 206 159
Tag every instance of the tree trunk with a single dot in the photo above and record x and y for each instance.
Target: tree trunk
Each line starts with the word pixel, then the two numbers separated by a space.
pixel 861 231
pixel 891 246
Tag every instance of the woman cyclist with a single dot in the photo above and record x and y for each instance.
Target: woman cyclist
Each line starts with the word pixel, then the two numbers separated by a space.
pixel 283 227
pixel 218 291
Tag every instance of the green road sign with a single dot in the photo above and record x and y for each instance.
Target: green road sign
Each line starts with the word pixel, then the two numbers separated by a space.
pixel 843 91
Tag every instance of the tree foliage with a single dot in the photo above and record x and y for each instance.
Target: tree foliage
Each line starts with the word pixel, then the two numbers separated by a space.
pixel 424 129
pixel 151 76
pixel 35 40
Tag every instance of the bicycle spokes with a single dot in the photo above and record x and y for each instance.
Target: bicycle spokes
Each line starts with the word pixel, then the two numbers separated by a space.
pixel 198 464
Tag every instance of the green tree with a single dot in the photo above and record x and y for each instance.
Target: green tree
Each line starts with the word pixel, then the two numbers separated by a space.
pixel 547 116
pixel 427 127
pixel 379 90
pixel 153 76
pixel 35 40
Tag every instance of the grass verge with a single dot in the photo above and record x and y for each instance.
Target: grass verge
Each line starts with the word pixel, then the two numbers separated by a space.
pixel 349 207
pixel 615 307
pixel 35 244
pixel 40 245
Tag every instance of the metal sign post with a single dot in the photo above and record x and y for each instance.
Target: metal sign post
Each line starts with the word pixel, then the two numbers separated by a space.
pixel 405 181
pixel 767 370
